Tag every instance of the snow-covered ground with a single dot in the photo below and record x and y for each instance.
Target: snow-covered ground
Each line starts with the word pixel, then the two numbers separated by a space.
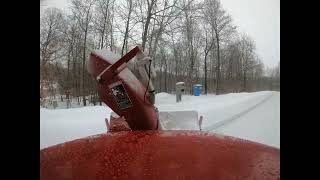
pixel 61 125
pixel 261 124
pixel 252 116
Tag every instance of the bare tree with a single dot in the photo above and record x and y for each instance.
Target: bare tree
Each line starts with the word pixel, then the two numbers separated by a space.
pixel 162 18
pixel 112 41
pixel 247 57
pixel 102 20
pixel 72 45
pixel 150 11
pixel 150 6
pixel 209 42
pixel 221 27
pixel 126 33
pixel 82 10
pixel 189 28
pixel 50 35
pixel 50 42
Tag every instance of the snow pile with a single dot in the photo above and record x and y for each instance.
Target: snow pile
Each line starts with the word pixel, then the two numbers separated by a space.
pixel 252 116
pixel 61 125
pixel 164 98
pixel 107 55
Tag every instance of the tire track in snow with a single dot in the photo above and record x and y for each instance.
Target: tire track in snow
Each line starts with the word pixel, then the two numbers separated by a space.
pixel 236 116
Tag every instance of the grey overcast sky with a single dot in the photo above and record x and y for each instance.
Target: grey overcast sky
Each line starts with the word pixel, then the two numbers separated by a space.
pixel 260 19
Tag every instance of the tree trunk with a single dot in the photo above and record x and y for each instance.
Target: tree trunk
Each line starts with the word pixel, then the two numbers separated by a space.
pixel 127 29
pixel 165 77
pixel 176 64
pixel 244 80
pixel 98 96
pixel 104 25
pixel 68 73
pixel 205 74
pixel 160 77
pixel 78 82
pixel 111 31
pixel 102 35
pixel 218 66
pixel 146 26
pixel 83 66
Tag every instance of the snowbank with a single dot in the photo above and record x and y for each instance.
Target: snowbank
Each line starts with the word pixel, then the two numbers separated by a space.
pixel 61 125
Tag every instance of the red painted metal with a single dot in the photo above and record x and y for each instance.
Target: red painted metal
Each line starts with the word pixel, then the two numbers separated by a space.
pixel 113 70
pixel 140 113
pixel 160 155
pixel 118 124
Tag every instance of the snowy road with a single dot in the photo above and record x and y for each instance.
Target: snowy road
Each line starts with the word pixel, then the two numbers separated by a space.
pixel 262 124
pixel 229 120
pixel 252 116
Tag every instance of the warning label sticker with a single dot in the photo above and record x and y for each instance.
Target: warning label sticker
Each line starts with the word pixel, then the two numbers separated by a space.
pixel 121 96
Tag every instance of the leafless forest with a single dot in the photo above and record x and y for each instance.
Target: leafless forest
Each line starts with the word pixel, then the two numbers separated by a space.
pixel 191 41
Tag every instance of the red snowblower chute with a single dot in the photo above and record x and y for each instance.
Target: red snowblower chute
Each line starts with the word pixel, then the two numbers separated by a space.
pixel 137 144
pixel 119 88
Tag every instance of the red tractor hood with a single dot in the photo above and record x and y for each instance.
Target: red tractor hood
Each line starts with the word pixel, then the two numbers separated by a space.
pixel 160 155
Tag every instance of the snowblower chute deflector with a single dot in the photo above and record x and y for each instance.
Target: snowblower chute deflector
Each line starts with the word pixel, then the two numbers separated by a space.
pixel 119 88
